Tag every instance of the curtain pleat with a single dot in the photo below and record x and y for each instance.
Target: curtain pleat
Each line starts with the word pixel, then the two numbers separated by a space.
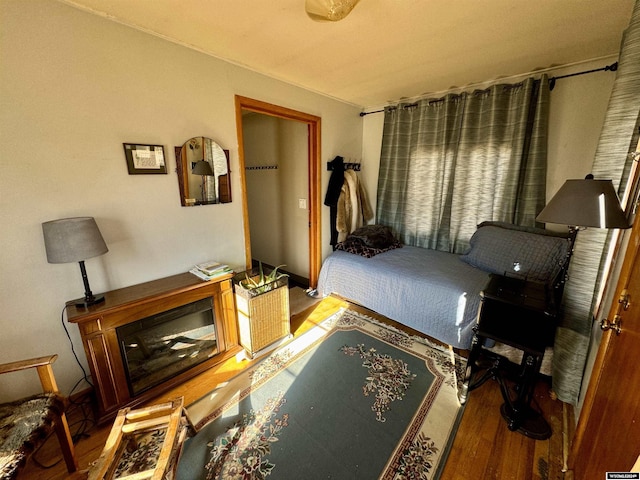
pixel 618 138
pixel 448 164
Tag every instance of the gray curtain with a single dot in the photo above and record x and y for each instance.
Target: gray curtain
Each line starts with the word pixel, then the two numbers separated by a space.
pixel 618 138
pixel 448 164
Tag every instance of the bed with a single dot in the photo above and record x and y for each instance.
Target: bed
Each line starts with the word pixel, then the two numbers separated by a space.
pixel 438 293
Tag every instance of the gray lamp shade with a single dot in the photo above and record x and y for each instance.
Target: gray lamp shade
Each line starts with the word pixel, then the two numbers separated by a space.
pixel 202 168
pixel 585 203
pixel 72 240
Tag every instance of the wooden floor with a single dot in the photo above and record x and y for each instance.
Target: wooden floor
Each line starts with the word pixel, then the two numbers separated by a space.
pixel 483 448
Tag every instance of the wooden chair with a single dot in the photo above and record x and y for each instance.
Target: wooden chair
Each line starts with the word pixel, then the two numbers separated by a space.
pixel 26 423
pixel 158 430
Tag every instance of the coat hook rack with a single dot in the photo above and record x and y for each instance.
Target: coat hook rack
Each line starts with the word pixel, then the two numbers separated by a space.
pixel 347 166
pixel 261 167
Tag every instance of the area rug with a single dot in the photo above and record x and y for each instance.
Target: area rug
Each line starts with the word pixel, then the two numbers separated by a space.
pixel 349 399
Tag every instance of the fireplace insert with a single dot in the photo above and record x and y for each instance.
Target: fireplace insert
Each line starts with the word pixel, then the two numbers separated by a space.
pixel 161 346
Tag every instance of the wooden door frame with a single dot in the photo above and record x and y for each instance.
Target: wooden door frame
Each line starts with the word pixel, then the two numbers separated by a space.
pixel 313 153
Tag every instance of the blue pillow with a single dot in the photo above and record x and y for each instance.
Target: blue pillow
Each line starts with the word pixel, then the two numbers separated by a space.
pixel 531 253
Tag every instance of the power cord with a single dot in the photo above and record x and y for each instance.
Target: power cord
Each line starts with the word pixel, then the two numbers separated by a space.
pixel 85 377
pixel 79 408
pixel 86 421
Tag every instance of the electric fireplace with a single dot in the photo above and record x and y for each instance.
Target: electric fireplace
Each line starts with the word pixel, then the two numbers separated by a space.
pixel 148 338
pixel 161 346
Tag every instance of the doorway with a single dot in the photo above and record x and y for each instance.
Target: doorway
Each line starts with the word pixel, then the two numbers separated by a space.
pixel 279 153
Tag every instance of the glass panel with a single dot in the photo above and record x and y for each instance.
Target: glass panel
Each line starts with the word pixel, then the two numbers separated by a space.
pixel 159 347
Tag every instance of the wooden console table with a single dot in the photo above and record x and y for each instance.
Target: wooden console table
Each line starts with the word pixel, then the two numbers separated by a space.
pixel 98 324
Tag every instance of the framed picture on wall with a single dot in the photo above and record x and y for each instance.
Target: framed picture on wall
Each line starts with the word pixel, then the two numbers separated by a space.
pixel 145 159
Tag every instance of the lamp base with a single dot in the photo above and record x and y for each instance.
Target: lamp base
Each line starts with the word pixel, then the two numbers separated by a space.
pixel 88 301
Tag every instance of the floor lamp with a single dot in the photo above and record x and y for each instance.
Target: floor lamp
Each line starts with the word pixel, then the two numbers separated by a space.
pixel 585 203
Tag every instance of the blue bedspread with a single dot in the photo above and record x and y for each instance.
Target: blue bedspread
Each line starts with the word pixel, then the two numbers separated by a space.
pixel 431 291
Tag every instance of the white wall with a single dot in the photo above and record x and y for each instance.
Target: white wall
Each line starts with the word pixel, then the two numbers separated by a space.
pixel 294 186
pixel 73 88
pixel 577 109
pixel 261 135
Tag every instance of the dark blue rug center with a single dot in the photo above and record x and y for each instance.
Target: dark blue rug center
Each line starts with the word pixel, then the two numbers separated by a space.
pixel 338 411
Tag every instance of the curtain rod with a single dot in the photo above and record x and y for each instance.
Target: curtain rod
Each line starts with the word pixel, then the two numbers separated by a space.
pixel 613 67
pixel 552 81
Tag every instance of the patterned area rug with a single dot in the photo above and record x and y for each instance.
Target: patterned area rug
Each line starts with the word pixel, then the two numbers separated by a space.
pixel 351 398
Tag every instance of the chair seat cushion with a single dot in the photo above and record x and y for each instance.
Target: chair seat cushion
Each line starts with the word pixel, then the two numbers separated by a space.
pixel 24 425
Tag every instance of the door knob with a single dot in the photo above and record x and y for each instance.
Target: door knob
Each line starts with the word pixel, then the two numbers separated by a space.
pixel 615 325
pixel 624 300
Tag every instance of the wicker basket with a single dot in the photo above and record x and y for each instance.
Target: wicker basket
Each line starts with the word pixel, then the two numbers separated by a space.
pixel 263 316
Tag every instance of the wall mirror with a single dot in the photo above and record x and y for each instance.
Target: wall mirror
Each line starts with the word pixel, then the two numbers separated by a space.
pixel 203 172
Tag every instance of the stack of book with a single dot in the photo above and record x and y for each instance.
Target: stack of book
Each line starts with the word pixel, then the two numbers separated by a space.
pixel 211 270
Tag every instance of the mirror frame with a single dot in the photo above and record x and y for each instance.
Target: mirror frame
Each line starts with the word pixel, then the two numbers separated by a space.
pixel 183 181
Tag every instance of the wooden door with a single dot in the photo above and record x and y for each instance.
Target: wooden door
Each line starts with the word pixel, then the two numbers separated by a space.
pixel 607 437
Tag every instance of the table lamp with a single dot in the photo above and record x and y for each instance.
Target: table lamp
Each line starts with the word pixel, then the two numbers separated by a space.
pixel 203 168
pixel 75 240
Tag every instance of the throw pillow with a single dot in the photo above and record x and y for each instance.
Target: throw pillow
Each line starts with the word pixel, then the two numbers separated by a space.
pixel 374 236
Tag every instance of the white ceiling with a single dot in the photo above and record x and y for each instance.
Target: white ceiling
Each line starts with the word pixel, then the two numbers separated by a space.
pixel 385 49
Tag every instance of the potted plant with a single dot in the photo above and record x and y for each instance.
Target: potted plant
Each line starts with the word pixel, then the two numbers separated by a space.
pixel 262 304
pixel 261 283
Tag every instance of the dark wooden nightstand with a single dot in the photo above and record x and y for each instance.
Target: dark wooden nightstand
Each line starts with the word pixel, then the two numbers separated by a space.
pixel 521 314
